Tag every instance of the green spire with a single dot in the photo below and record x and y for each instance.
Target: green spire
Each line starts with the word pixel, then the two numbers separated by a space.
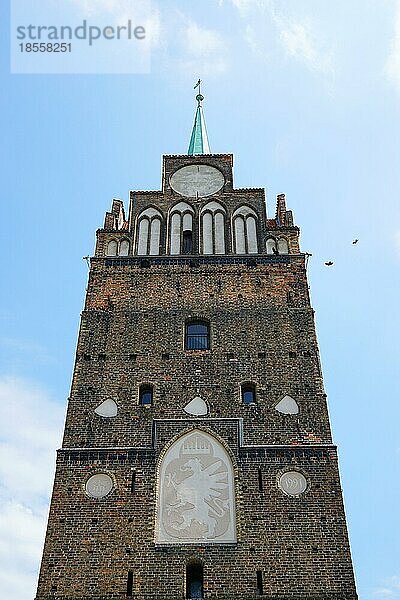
pixel 199 139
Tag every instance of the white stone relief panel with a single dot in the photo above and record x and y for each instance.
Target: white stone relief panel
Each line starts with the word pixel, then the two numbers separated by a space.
pixel 108 408
pixel 197 181
pixel 99 485
pixel 287 406
pixel 196 407
pixel 293 483
pixel 196 501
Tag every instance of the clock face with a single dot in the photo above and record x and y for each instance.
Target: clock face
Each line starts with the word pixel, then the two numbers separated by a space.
pixel 197 181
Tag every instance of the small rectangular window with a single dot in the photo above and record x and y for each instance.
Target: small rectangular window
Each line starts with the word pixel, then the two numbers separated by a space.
pixel 129 584
pixel 187 242
pixel 133 481
pixel 260 589
pixel 248 393
pixel 197 336
pixel 145 395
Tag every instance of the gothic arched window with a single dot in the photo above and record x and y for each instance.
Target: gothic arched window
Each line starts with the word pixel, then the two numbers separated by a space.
pixel 209 476
pixel 271 246
pixel 149 232
pixel 283 246
pixel 197 335
pixel 245 230
pixel 213 228
pixel 124 248
pixel 112 248
pixel 181 229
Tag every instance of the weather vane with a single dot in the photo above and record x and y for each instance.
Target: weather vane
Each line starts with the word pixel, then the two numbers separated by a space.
pixel 199 96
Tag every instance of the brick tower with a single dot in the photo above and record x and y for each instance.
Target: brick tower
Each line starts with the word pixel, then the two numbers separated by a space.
pixel 197 458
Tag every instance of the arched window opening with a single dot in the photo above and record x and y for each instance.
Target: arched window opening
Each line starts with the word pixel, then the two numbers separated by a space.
pixel 149 232
pixel 146 395
pixel 271 246
pixel 112 248
pixel 181 229
pixel 143 236
pixel 245 231
pixel 197 336
pixel 283 247
pixel 124 248
pixel 248 393
pixel 194 580
pixel 213 228
pixel 187 242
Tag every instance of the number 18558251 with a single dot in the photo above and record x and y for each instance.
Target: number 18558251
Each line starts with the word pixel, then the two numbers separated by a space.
pixel 45 47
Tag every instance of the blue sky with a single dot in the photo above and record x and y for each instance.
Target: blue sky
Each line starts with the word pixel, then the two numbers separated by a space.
pixel 306 94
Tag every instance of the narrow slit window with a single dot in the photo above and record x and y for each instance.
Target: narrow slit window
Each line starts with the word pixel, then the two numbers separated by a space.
pixel 260 589
pixel 248 393
pixel 194 580
pixel 260 480
pixel 129 584
pixel 145 395
pixel 133 481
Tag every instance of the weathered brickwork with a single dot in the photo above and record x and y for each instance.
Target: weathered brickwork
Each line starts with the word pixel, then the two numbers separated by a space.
pixel 132 333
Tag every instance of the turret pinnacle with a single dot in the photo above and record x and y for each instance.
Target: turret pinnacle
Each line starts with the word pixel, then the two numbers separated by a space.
pixel 199 139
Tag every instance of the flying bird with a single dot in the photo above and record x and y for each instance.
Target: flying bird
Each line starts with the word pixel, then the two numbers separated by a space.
pixel 355 242
pixel 329 263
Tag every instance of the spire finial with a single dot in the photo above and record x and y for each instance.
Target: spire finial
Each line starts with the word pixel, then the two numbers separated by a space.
pixel 199 139
pixel 199 96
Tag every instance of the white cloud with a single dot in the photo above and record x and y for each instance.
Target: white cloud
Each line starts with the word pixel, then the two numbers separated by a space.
pixel 296 35
pixel 30 428
pixel 300 42
pixel 191 49
pixel 392 68
pixel 118 12
pixel 100 7
pixel 206 50
pixel 390 590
